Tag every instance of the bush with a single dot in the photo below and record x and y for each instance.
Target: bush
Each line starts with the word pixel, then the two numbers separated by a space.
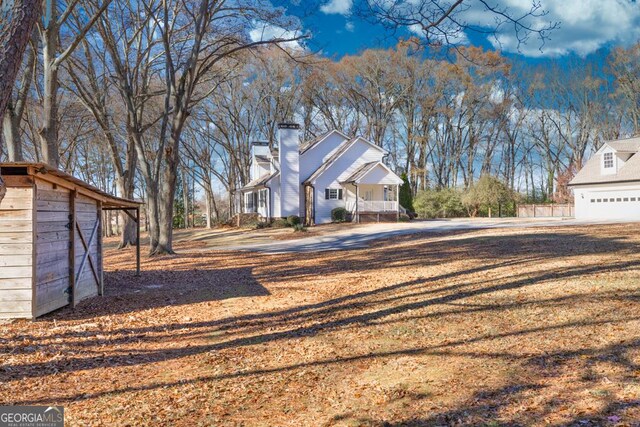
pixel 261 224
pixel 486 195
pixel 445 203
pixel 293 220
pixel 299 227
pixel 404 218
pixel 339 215
pixel 279 223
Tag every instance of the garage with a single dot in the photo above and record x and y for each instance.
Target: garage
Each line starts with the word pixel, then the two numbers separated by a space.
pixel 608 186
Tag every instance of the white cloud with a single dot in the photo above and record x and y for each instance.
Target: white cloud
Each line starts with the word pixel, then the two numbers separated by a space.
pixel 451 38
pixel 585 26
pixel 349 27
pixel 340 7
pixel 262 31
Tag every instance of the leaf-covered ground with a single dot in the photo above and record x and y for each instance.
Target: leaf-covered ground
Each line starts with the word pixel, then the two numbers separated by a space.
pixel 494 327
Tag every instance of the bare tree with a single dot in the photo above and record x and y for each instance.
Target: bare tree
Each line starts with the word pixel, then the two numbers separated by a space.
pixel 199 45
pixel 443 22
pixel 53 55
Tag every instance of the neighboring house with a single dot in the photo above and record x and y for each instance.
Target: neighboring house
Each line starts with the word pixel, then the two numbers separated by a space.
pixel 311 179
pixel 608 186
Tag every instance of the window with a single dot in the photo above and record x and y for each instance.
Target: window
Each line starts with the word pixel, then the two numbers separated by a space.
pixel 248 202
pixel 262 198
pixel 333 194
pixel 618 199
pixel 593 200
pixel 626 199
pixel 608 160
pixel 633 199
pixel 599 200
pixel 605 200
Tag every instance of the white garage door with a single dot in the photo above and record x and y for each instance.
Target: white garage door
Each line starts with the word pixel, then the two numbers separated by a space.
pixel 622 204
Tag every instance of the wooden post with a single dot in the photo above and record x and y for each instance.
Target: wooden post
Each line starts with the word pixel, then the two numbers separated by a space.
pixel 72 248
pixel 137 241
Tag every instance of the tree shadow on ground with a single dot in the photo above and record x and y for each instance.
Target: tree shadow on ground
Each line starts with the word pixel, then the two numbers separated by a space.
pixel 396 302
pixel 124 292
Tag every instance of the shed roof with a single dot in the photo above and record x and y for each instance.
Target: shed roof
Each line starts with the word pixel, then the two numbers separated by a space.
pixel 47 173
pixel 261 181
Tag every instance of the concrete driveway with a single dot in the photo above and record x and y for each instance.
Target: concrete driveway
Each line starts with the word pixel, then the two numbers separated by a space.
pixel 360 236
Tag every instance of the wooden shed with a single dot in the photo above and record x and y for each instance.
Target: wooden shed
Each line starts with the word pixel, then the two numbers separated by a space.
pixel 51 239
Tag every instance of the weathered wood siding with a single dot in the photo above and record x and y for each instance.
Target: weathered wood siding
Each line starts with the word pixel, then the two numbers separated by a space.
pixel 88 217
pixel 53 230
pixel 52 248
pixel 16 248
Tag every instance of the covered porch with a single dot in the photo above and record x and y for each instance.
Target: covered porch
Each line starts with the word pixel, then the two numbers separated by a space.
pixel 371 193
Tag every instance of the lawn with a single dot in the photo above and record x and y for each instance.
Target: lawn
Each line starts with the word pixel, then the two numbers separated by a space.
pixel 490 327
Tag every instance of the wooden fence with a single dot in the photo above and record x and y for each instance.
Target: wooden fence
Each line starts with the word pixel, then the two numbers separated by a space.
pixel 549 211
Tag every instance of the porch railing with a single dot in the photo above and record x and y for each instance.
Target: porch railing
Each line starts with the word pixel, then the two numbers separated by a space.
pixel 373 206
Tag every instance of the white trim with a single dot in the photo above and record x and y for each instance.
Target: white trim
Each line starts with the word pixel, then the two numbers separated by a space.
pixel 389 171
pixel 325 166
pixel 327 135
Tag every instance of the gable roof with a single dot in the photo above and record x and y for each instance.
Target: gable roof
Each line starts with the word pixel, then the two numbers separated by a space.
pixel 336 155
pixel 361 173
pixel 307 145
pixel 591 173
pixel 629 145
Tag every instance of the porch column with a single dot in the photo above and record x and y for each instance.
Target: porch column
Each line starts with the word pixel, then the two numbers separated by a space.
pixel 357 203
pixel 397 202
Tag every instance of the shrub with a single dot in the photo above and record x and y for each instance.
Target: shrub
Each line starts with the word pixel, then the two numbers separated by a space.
pixel 338 215
pixel 299 227
pixel 260 225
pixel 279 223
pixel 293 220
pixel 445 203
pixel 404 218
pixel 486 194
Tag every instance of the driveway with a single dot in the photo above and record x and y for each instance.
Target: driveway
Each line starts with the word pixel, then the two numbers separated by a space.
pixel 360 236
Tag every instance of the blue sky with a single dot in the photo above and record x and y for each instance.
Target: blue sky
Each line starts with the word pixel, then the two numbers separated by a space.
pixel 586 27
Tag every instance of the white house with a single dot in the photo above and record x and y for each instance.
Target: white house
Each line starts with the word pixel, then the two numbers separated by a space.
pixel 311 179
pixel 608 186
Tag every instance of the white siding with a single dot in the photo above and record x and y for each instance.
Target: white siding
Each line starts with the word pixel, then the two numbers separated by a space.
pixel 358 154
pixel 315 157
pixel 609 210
pixel 289 172
pixel 274 184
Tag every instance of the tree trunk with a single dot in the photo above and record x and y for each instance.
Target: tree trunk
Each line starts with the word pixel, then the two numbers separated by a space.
pixel 11 133
pixel 49 130
pixel 185 198
pixel 18 18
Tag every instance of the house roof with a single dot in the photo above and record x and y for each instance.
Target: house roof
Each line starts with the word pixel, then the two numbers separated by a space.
pixel 360 175
pixel 591 173
pixel 629 145
pixel 47 173
pixel 307 145
pixel 341 149
pixel 260 182
pixel 263 159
